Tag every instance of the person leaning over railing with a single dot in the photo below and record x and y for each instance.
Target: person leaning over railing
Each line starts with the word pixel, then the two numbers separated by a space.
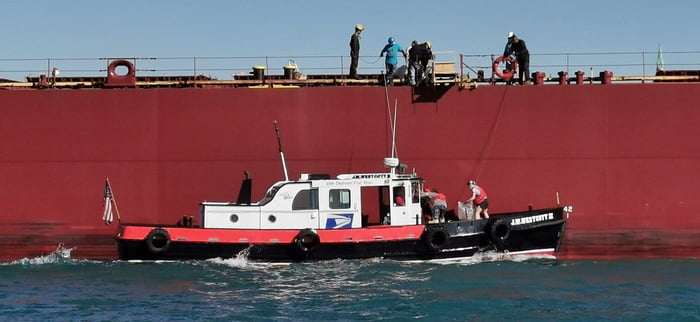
pixel 522 55
pixel 418 57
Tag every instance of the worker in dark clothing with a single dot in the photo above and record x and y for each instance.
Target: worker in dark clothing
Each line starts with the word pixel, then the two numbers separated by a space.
pixel 518 48
pixel 355 50
pixel 418 57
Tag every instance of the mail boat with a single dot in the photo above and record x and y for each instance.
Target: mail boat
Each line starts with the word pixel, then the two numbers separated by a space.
pixel 352 216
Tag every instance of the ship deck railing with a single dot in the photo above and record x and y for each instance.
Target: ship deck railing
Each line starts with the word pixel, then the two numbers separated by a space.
pixel 449 68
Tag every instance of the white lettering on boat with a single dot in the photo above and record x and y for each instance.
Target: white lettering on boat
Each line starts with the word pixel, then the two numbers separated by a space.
pixel 371 176
pixel 532 219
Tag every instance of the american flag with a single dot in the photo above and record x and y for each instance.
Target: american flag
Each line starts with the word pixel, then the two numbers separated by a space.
pixel 108 216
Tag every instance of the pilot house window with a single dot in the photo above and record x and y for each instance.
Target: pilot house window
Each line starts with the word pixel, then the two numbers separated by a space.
pixel 339 199
pixel 306 199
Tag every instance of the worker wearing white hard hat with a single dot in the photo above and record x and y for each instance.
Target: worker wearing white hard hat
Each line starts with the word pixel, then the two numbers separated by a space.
pixel 517 47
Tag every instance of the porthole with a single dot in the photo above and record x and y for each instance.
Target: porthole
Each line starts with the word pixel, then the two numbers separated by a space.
pixel 234 218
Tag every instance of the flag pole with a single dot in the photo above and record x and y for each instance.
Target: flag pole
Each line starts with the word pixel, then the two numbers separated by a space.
pixel 114 200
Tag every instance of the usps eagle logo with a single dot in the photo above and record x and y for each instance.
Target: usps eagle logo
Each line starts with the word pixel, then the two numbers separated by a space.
pixel 339 221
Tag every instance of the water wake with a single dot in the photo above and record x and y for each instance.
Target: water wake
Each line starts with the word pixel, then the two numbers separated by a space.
pixel 60 255
pixel 241 261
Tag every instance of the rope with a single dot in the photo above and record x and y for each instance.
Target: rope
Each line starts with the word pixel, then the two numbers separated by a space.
pixel 394 150
pixel 374 62
pixel 489 142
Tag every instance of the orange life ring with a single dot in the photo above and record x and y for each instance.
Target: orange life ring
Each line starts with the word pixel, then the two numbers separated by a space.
pixel 508 74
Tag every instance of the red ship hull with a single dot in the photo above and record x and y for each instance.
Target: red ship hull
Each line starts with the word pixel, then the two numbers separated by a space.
pixel 625 155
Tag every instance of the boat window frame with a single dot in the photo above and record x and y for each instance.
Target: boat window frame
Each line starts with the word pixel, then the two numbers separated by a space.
pixel 340 204
pixel 399 191
pixel 270 194
pixel 416 188
pixel 312 199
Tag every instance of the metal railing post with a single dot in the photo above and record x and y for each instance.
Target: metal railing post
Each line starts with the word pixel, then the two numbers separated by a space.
pixel 644 69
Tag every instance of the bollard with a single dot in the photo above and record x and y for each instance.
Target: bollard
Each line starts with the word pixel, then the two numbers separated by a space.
pixel 42 80
pixel 289 71
pixel 563 78
pixel 579 77
pixel 258 72
pixel 539 78
pixel 606 77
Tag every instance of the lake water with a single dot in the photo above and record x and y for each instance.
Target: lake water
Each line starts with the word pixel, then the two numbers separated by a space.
pixel 58 288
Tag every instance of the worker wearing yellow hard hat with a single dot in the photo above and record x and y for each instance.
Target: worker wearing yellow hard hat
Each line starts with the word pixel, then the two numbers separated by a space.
pixel 418 57
pixel 355 50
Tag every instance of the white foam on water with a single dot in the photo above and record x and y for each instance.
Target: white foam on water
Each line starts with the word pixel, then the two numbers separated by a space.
pixel 60 255
pixel 241 261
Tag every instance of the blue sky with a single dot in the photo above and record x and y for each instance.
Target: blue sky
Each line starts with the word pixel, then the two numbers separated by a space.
pixel 178 28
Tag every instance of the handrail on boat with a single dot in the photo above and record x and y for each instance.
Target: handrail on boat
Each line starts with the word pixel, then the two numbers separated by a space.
pixel 636 66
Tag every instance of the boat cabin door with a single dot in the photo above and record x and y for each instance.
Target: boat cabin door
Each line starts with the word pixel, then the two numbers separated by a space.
pixel 405 206
pixel 340 207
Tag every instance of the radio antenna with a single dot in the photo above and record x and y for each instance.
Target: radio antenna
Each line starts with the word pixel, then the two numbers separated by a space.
pixel 279 144
pixel 393 131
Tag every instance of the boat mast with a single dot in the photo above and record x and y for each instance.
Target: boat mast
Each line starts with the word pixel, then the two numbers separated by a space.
pixel 279 144
pixel 392 162
pixel 393 131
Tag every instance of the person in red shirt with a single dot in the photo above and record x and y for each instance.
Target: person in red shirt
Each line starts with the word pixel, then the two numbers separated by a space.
pixel 481 200
pixel 399 196
pixel 438 204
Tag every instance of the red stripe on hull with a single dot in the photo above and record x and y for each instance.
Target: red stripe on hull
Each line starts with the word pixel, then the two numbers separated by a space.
pixel 277 236
pixel 625 155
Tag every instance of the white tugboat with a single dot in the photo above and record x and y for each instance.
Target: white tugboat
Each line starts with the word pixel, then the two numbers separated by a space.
pixel 321 218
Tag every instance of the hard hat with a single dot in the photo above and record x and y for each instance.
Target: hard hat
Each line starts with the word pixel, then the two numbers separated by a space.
pixel 511 34
pixel 427 43
pixel 471 182
pixel 390 40
pixel 359 27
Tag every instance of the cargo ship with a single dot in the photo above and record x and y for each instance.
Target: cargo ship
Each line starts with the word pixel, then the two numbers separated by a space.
pixel 622 149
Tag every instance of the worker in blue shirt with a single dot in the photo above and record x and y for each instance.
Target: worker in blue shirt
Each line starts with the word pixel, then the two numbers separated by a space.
pixel 392 50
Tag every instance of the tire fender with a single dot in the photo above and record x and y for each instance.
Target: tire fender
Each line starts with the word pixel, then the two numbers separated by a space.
pixel 306 241
pixel 158 241
pixel 436 238
pixel 500 231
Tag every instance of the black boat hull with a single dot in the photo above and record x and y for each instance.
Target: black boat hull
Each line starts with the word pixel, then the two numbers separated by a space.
pixel 506 233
